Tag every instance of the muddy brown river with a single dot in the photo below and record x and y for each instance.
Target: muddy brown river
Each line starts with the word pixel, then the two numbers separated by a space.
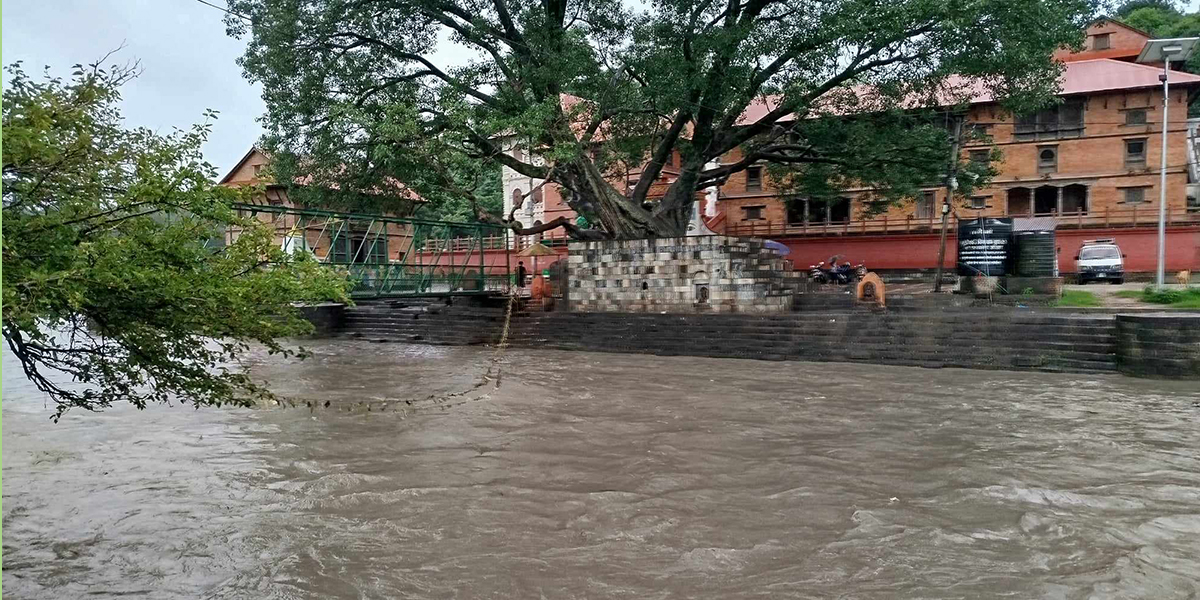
pixel 612 476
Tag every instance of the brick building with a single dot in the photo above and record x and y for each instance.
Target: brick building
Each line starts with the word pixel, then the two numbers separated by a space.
pixel 1091 162
pixel 1093 158
pixel 356 241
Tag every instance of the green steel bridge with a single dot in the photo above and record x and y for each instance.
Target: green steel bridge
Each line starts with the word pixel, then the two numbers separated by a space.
pixel 393 256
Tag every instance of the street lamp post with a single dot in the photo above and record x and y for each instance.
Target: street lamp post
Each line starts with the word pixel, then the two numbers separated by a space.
pixel 1180 49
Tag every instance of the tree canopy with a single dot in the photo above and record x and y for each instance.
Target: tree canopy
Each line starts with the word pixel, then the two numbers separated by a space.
pixel 114 278
pixel 433 92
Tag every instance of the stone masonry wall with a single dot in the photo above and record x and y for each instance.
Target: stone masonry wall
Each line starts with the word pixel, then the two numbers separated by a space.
pixel 680 275
pixel 1165 345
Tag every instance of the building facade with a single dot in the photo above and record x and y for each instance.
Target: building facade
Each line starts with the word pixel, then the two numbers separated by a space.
pixel 1091 163
pixel 330 237
pixel 1093 159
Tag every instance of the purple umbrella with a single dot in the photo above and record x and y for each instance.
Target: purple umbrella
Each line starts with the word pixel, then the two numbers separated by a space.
pixel 776 246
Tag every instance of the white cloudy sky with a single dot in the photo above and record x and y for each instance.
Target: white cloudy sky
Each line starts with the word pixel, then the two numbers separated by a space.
pixel 188 60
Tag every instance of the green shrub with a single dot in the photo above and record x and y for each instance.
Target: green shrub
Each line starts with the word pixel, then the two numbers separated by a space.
pixel 1180 298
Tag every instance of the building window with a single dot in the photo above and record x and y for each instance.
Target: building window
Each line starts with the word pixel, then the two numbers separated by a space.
pixel 1135 117
pixel 1062 121
pixel 358 248
pixel 978 131
pixel 1136 195
pixel 1102 41
pixel 981 157
pixel 537 195
pixel 925 205
pixel 1135 154
pixel 818 212
pixel 979 202
pixel 752 213
pixel 1047 159
pixel 518 153
pixel 754 179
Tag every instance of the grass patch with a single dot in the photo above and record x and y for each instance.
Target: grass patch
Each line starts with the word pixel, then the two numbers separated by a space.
pixel 1078 298
pixel 1131 294
pixel 1184 298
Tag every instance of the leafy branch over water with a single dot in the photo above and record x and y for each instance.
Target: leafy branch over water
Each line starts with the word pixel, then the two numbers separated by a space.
pixel 115 273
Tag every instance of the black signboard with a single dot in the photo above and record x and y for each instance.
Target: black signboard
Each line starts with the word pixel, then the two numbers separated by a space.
pixel 985 246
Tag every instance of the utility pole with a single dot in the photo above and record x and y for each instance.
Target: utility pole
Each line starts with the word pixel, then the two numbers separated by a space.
pixel 951 185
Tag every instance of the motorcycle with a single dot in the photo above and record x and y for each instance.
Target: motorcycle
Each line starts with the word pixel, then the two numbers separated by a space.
pixel 817 273
pixel 843 274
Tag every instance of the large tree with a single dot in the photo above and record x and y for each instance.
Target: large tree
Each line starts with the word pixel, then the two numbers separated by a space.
pixel 117 284
pixel 589 89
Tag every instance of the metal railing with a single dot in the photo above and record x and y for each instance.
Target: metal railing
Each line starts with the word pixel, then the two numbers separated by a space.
pixel 393 256
pixel 1132 216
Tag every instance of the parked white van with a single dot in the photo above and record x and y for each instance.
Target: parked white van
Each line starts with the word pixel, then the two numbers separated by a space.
pixel 1100 260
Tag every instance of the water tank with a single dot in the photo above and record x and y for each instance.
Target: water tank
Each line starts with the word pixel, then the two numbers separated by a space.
pixel 1035 253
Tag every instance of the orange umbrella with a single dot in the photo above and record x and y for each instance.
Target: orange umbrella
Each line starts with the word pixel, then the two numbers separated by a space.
pixel 536 250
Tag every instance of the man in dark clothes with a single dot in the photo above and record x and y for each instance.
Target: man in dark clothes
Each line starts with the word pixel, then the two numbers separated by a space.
pixel 521 274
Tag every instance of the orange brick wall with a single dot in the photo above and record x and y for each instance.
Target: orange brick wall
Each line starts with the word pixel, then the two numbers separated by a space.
pixel 1123 42
pixel 1097 160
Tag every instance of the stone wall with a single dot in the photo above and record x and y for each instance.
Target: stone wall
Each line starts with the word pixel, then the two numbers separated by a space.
pixel 680 275
pixel 977 339
pixel 326 318
pixel 1159 345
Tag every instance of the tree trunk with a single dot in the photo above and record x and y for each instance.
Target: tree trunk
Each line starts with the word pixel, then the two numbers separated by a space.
pixel 674 211
pixel 589 193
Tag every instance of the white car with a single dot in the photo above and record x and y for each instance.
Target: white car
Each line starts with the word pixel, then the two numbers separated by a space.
pixel 1100 260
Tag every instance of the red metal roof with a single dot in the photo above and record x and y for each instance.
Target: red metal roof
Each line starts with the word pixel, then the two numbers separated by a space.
pixel 1105 74
pixel 1079 77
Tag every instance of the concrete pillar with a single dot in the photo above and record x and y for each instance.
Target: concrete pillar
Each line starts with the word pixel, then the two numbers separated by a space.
pixel 1059 191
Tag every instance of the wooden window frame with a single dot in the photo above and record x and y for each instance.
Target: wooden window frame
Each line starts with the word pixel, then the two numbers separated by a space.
pixel 1043 166
pixel 757 186
pixel 1131 160
pixel 931 198
pixel 1138 188
pixel 1145 112
pixel 758 208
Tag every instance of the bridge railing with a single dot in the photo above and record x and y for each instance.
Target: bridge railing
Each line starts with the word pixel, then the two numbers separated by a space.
pixel 386 255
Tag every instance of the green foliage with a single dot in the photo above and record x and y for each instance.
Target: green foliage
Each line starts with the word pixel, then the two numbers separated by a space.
pixel 1078 298
pixel 1177 298
pixel 1163 20
pixel 110 276
pixel 356 89
pixel 1130 6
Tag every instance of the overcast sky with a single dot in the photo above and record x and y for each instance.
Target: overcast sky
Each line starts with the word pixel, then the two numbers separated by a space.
pixel 188 60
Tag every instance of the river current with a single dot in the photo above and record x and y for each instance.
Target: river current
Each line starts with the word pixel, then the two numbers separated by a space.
pixel 590 475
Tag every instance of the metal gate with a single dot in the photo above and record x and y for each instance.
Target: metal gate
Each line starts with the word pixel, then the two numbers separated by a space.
pixel 393 256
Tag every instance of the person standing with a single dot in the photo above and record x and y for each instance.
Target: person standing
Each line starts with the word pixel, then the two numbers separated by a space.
pixel 521 274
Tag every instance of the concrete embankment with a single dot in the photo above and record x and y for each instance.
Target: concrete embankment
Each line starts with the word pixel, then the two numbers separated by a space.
pixel 1002 338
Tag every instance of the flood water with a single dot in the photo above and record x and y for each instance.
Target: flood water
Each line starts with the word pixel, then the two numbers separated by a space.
pixel 613 476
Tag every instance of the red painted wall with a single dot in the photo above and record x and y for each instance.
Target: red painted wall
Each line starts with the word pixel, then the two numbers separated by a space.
pixel 917 251
pixel 920 251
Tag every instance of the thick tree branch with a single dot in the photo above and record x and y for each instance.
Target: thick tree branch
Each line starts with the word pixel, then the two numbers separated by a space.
pixel 409 56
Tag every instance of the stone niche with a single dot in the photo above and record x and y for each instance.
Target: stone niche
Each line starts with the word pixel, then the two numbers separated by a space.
pixel 680 275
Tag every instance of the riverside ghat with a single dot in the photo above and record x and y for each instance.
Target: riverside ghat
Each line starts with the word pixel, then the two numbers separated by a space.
pixel 737 297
